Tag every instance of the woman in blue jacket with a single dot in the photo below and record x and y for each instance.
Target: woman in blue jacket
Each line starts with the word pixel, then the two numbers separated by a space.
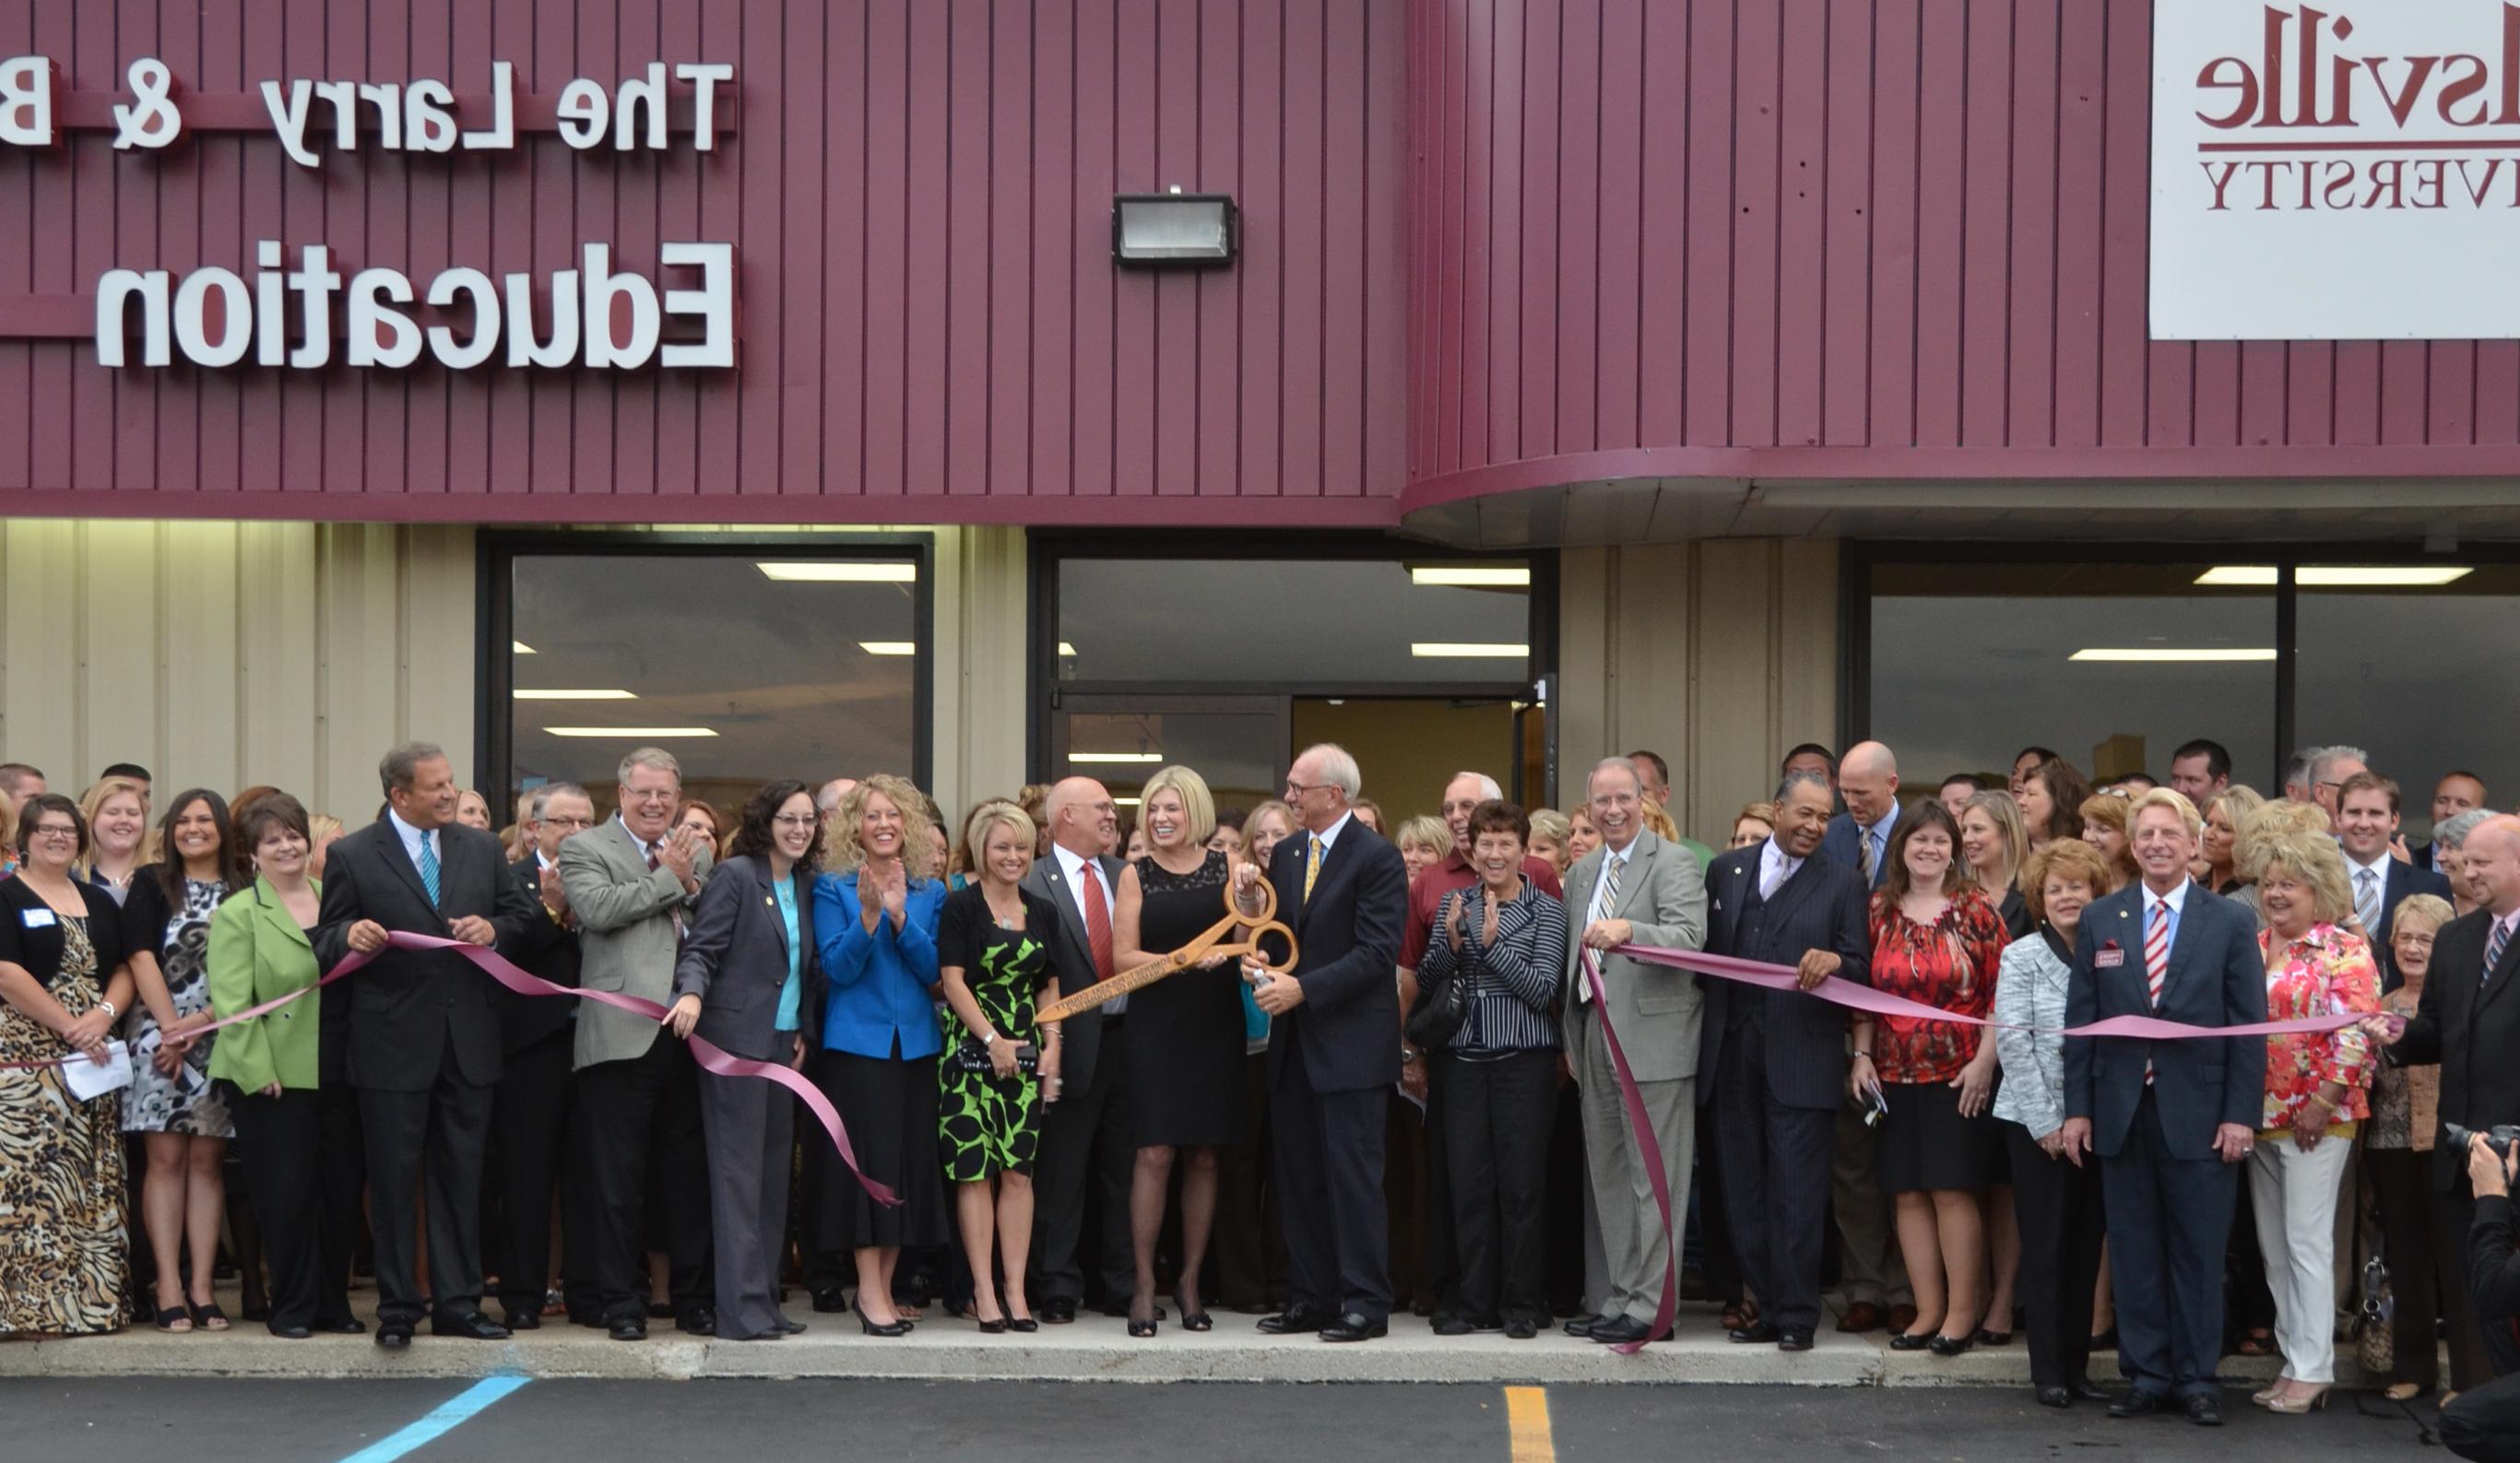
pixel 875 925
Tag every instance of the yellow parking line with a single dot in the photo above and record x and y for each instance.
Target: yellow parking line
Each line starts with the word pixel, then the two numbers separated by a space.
pixel 1526 1414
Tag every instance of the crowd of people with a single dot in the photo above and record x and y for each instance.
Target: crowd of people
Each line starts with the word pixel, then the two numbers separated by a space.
pixel 1416 1106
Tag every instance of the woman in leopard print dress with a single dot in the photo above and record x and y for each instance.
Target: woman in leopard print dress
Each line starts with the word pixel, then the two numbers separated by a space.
pixel 63 982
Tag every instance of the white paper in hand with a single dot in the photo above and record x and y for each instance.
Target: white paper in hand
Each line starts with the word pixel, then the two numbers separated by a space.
pixel 87 1079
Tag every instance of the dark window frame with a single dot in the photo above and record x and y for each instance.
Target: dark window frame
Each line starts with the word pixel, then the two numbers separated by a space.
pixel 1050 549
pixel 494 617
pixel 1861 556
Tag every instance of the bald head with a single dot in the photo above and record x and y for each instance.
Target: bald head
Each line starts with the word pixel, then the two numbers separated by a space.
pixel 1868 778
pixel 2492 855
pixel 827 800
pixel 1082 817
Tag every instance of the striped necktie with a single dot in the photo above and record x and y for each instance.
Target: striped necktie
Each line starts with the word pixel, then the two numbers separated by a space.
pixel 2157 964
pixel 2494 951
pixel 2366 903
pixel 1863 851
pixel 429 867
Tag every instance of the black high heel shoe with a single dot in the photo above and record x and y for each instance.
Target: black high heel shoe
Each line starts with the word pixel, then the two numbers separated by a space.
pixel 1911 1341
pixel 1192 1320
pixel 897 1328
pixel 1141 1329
pixel 1948 1345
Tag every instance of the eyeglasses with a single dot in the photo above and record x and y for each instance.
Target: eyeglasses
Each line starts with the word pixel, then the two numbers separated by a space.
pixel 56 832
pixel 1298 789
pixel 565 822
pixel 795 819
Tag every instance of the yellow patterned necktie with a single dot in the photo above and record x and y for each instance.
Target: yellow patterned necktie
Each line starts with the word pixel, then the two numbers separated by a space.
pixel 1312 865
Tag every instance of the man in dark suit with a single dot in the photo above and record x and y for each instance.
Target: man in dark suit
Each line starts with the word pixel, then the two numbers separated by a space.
pixel 530 1107
pixel 1773 1062
pixel 2367 830
pixel 2456 793
pixel 1086 1131
pixel 1873 1272
pixel 1345 890
pixel 2171 1121
pixel 2469 1021
pixel 423 1033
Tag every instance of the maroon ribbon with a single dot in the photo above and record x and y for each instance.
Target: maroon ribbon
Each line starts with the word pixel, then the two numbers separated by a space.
pixel 712 1057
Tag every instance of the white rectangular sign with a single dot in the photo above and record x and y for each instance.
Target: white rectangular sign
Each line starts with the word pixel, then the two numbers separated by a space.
pixel 2343 171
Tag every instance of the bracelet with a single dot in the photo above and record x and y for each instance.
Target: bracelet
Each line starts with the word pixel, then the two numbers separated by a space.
pixel 108 1008
pixel 1865 1052
pixel 989 1042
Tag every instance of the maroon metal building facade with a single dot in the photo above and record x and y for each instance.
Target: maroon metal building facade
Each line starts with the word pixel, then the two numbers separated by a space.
pixel 1486 244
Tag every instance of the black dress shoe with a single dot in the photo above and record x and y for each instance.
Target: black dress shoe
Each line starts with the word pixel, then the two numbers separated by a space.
pixel 349 1325
pixel 1058 1312
pixel 521 1318
pixel 1756 1333
pixel 1793 1341
pixel 1353 1326
pixel 292 1333
pixel 2205 1411
pixel 393 1336
pixel 1911 1341
pixel 1292 1322
pixel 1521 1328
pixel 628 1328
pixel 791 1328
pixel 700 1320
pixel 1621 1331
pixel 831 1300
pixel 1453 1325
pixel 471 1325
pixel 2055 1397
pixel 2137 1402
pixel 2086 1390
pixel 1582 1325
pixel 1948 1345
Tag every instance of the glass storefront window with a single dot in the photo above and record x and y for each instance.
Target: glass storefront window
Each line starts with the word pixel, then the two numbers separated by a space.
pixel 801 662
pixel 1298 622
pixel 2411 672
pixel 2113 664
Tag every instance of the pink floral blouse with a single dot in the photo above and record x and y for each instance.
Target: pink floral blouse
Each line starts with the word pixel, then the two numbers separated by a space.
pixel 2325 972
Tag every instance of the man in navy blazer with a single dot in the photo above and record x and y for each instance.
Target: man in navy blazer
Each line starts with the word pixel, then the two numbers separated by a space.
pixel 2170 1120
pixel 1345 891
pixel 1773 1062
pixel 2366 831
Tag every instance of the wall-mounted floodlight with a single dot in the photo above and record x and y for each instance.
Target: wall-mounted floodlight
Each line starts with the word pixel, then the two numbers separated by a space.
pixel 1172 229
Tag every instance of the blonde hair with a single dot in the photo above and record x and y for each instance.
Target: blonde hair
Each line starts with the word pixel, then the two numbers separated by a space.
pixel 842 853
pixel 1427 832
pixel 2240 801
pixel 1552 825
pixel 2014 832
pixel 323 825
pixel 1197 803
pixel 1660 821
pixel 2430 912
pixel 2314 859
pixel 984 820
pixel 95 798
pixel 2173 800
pixel 2255 834
pixel 2070 856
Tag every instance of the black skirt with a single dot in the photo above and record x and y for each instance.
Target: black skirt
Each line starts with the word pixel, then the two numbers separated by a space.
pixel 1926 1144
pixel 888 1106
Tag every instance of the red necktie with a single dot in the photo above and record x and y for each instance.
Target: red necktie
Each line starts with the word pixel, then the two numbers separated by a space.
pixel 1098 923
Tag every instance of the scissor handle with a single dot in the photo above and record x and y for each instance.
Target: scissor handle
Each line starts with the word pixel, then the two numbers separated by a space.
pixel 1268 907
pixel 1258 953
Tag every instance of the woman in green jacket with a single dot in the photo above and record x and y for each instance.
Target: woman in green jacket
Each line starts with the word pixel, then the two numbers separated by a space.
pixel 297 1119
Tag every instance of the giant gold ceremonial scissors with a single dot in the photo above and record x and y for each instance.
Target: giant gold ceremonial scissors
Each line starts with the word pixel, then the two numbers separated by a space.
pixel 1138 977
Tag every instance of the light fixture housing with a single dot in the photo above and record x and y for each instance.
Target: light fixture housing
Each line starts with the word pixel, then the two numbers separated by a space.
pixel 519 647
pixel 839 571
pixel 889 647
pixel 590 694
pixel 1143 759
pixel 2338 576
pixel 1468 651
pixel 632 733
pixel 1173 230
pixel 2171 655
pixel 1472 576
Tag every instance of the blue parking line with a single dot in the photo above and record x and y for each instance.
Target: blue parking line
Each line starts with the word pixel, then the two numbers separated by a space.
pixel 449 1415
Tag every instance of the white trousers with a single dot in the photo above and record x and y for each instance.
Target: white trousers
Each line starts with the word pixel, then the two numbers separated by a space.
pixel 2294 1196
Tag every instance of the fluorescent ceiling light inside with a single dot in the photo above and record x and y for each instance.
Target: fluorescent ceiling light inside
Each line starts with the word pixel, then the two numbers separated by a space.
pixel 1127 801
pixel 2339 576
pixel 1145 759
pixel 1453 650
pixel 519 647
pixel 631 734
pixel 1065 649
pixel 538 693
pixel 2165 653
pixel 841 573
pixel 888 647
pixel 1472 576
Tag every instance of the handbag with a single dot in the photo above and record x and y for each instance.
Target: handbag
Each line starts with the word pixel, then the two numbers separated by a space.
pixel 972 1059
pixel 2375 1336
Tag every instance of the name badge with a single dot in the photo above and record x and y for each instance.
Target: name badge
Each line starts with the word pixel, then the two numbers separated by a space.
pixel 36 919
pixel 2109 959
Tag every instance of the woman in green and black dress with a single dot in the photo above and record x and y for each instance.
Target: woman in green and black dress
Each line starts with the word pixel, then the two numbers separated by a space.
pixel 993 958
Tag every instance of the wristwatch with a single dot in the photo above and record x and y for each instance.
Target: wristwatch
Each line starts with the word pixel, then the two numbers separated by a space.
pixel 1409 1054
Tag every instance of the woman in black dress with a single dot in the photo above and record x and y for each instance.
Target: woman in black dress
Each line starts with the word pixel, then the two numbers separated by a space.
pixel 1185 1035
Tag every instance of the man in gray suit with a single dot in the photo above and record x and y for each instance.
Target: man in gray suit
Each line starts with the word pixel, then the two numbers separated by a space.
pixel 1085 1131
pixel 634 882
pixel 1635 888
